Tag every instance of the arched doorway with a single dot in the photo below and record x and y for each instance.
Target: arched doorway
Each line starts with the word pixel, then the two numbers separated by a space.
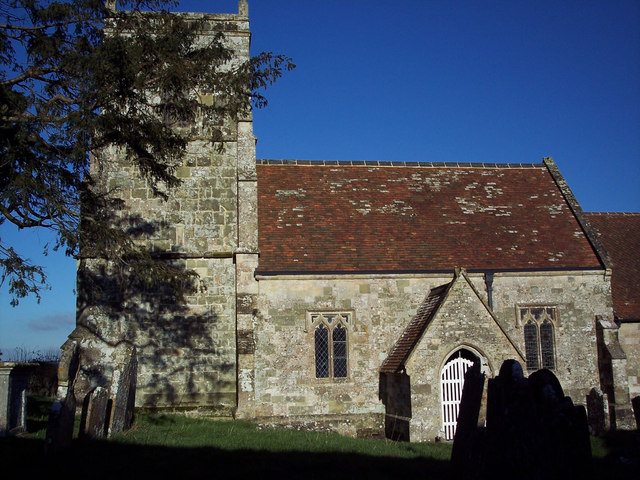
pixel 451 383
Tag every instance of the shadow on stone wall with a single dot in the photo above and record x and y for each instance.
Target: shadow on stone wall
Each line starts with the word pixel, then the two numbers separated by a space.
pixel 44 379
pixel 145 301
pixel 135 308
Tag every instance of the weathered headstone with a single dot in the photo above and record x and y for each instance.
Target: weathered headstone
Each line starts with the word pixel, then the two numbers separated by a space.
pixel 510 423
pixel 14 380
pixel 63 409
pixel 94 414
pixel 122 391
pixel 598 412
pixel 562 442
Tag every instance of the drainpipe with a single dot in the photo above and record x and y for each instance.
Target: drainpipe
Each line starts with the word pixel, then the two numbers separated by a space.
pixel 488 281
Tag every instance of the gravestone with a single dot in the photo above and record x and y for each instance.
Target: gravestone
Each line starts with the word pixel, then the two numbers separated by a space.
pixel 14 380
pixel 561 429
pixel 598 412
pixel 63 409
pixel 122 391
pixel 467 431
pixel 94 414
pixel 533 430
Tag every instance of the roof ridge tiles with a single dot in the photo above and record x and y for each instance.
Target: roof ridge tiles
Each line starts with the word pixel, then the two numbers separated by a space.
pixel 394 163
pixel 631 214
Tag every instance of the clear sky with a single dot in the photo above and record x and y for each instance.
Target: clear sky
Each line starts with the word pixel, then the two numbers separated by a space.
pixel 441 80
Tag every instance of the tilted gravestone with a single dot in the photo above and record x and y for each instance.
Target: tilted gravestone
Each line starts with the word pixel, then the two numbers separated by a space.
pixel 467 424
pixel 122 391
pixel 94 414
pixel 533 431
pixel 107 411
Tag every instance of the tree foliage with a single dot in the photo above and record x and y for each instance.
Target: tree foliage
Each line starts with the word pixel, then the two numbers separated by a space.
pixel 78 76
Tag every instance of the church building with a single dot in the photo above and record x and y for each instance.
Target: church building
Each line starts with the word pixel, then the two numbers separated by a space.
pixel 353 296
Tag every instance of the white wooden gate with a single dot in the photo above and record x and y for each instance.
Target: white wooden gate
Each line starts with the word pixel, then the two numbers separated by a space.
pixel 451 382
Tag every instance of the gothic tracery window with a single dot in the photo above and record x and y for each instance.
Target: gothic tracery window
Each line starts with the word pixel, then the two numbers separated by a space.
pixel 539 342
pixel 330 332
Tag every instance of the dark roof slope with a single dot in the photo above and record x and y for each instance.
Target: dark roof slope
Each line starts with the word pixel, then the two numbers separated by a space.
pixel 364 217
pixel 395 361
pixel 620 234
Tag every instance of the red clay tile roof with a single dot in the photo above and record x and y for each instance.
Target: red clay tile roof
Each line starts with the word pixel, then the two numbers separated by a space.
pixel 395 361
pixel 620 233
pixel 332 217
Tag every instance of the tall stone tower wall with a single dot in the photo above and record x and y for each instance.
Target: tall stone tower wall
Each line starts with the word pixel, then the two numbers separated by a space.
pixel 186 350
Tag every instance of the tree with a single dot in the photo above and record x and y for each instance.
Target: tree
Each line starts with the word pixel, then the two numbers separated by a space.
pixel 77 76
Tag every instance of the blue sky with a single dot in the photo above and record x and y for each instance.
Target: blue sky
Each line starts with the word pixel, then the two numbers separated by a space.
pixel 469 81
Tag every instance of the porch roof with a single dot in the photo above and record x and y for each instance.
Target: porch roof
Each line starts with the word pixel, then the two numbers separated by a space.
pixel 395 361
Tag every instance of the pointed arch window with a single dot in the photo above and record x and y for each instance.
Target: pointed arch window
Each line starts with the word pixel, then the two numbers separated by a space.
pixel 322 351
pixel 546 344
pixel 531 345
pixel 331 334
pixel 539 343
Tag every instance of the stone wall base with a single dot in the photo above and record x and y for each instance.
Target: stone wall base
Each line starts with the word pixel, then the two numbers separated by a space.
pixel 368 425
pixel 217 412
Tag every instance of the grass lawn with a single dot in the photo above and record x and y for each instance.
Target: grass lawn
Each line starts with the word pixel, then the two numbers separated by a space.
pixel 178 447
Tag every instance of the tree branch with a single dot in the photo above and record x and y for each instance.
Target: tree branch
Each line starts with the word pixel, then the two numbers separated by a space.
pixel 30 72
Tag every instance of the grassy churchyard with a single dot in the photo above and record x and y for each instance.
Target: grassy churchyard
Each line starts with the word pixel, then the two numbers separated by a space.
pixel 172 446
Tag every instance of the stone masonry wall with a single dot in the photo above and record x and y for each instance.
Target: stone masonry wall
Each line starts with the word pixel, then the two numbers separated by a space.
pixel 462 321
pixel 578 298
pixel 629 336
pixel 186 351
pixel 283 375
pixel 285 382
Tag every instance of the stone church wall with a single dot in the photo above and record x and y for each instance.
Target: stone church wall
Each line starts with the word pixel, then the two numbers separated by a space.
pixel 578 298
pixel 461 322
pixel 245 344
pixel 285 381
pixel 285 386
pixel 630 341
pixel 186 350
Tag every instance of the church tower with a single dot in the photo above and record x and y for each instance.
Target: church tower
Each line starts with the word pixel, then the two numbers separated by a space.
pixel 186 351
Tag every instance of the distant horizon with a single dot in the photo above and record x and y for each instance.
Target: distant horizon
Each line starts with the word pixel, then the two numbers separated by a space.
pixel 438 81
